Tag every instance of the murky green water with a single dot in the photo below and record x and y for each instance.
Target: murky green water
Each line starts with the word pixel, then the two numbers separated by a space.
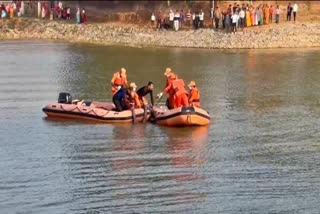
pixel 260 153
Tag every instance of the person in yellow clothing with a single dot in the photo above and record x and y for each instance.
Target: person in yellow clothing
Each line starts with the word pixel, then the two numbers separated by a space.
pixel 248 18
pixel 11 11
pixel 194 95
pixel 266 14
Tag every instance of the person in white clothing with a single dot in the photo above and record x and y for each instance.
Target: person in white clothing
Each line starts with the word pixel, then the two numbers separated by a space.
pixel 43 12
pixel 60 5
pixel 39 9
pixel 212 17
pixel 242 16
pixel 277 14
pixel 234 19
pixel 194 20
pixel 22 10
pixel 171 17
pixel 153 19
pixel 295 10
pixel 176 20
pixel 201 18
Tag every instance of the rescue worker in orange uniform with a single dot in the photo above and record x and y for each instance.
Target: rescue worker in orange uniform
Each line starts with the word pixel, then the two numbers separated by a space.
pixel 194 95
pixel 167 73
pixel 126 98
pixel 177 89
pixel 135 98
pixel 119 80
pixel 122 99
pixel 170 101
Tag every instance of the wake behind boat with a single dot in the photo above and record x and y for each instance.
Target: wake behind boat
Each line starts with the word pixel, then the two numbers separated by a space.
pixel 94 111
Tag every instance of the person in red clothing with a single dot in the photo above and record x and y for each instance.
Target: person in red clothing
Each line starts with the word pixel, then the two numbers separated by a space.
pixel 119 80
pixel 270 14
pixel 194 95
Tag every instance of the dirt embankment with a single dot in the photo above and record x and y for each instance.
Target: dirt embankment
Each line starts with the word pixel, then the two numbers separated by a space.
pixel 300 34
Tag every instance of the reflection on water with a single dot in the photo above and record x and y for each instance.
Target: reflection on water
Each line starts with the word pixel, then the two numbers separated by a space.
pixel 187 148
pixel 259 154
pixel 135 171
pixel 128 143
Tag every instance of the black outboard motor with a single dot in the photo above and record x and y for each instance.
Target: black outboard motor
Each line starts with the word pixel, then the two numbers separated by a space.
pixel 64 98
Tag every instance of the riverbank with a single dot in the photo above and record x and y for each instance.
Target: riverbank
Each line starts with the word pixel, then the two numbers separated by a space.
pixel 284 35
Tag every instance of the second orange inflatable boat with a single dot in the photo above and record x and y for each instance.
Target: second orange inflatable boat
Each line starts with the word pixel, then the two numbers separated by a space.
pixel 182 116
pixel 94 111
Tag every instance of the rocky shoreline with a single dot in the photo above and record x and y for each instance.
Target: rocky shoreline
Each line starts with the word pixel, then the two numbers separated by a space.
pixel 285 35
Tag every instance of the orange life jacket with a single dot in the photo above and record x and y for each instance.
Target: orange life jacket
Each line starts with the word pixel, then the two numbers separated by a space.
pixel 136 100
pixel 194 97
pixel 178 87
pixel 168 85
pixel 118 80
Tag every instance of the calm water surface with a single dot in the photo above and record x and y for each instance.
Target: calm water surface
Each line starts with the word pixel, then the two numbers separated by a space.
pixel 260 153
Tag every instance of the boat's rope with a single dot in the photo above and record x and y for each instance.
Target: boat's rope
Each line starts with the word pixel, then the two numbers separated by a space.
pixel 87 112
pixel 99 115
pixel 61 106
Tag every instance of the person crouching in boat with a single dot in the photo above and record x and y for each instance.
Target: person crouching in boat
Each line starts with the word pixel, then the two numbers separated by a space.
pixel 135 101
pixel 143 91
pixel 119 80
pixel 119 99
pixel 178 91
pixel 126 98
pixel 194 95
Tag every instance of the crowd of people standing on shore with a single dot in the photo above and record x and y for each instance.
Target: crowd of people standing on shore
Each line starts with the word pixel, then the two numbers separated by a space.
pixel 43 10
pixel 230 18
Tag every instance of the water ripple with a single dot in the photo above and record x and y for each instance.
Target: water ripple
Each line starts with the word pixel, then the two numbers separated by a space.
pixel 259 154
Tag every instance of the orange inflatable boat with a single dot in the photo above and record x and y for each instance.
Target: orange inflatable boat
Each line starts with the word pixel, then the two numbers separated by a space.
pixel 94 111
pixel 182 116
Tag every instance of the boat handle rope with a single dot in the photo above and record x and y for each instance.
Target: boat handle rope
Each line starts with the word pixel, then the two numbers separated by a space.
pixel 72 109
pixel 97 114
pixel 61 106
pixel 94 112
pixel 85 112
